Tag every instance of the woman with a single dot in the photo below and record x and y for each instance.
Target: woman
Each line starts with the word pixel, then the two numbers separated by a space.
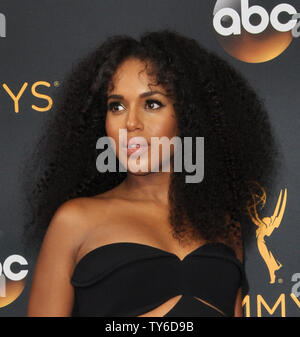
pixel 146 242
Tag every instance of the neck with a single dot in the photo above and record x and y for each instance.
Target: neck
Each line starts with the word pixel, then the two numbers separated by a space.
pixel 153 186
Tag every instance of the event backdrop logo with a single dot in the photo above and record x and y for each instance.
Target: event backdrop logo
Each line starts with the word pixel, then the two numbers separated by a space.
pixel 279 303
pixel 17 95
pixel 12 282
pixel 2 25
pixel 266 226
pixel 255 32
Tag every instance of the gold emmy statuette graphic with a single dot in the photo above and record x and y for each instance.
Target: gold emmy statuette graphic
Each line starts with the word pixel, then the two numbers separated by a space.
pixel 266 226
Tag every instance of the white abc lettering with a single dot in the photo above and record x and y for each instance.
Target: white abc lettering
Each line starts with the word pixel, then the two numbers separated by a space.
pixel 283 27
pixel 296 287
pixel 2 285
pixel 2 25
pixel 234 29
pixel 295 30
pixel 7 268
pixel 247 12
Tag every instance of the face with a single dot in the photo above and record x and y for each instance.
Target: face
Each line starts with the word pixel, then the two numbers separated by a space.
pixel 141 110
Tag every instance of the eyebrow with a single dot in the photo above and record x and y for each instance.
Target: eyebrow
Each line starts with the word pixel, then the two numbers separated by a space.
pixel 144 94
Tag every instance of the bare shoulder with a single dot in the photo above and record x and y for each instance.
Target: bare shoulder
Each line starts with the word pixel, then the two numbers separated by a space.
pixel 75 217
pixel 77 212
pixel 79 216
pixel 69 217
pixel 57 257
pixel 72 211
pixel 64 231
pixel 70 225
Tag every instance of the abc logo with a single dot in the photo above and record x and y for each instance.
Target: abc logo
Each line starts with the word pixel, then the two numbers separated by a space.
pixel 11 280
pixel 254 33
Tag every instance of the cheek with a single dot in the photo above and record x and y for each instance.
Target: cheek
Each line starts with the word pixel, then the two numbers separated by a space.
pixel 164 127
pixel 112 128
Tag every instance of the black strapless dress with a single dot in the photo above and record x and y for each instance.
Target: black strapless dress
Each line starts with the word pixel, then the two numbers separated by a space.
pixel 127 279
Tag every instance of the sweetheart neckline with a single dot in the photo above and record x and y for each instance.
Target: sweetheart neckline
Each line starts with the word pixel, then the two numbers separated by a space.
pixel 93 251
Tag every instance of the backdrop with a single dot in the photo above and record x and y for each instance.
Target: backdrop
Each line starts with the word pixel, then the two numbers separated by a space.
pixel 39 42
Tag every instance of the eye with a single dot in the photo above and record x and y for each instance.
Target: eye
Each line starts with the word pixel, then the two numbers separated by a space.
pixel 113 106
pixel 154 104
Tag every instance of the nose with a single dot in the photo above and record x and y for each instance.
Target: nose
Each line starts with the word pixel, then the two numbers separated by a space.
pixel 134 120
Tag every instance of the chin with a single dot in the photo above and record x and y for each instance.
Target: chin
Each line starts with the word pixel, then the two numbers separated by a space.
pixel 141 167
pixel 139 173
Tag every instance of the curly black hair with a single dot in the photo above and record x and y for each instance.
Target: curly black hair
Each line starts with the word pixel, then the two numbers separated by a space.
pixel 212 100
